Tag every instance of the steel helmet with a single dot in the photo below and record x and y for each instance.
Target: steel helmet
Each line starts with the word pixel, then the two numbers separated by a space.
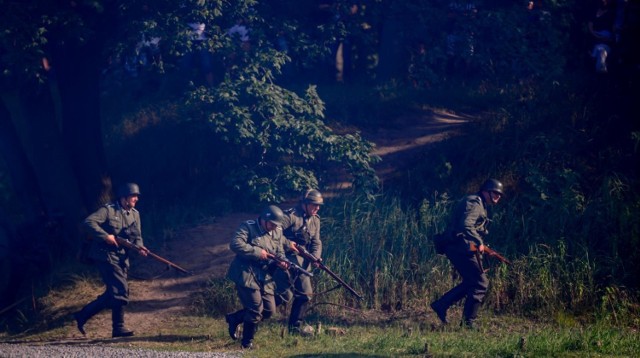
pixel 312 196
pixel 272 214
pixel 493 185
pixel 128 189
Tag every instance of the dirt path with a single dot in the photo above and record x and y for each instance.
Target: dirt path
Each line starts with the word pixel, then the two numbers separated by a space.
pixel 398 146
pixel 204 249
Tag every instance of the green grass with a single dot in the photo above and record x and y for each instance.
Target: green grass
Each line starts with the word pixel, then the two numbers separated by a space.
pixel 498 336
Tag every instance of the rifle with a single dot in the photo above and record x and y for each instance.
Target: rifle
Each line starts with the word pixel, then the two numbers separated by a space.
pixel 490 252
pixel 292 265
pixel 309 256
pixel 129 245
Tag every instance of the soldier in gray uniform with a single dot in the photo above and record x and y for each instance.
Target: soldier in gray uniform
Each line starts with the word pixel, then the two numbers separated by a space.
pixel 302 226
pixel 251 271
pixel 121 219
pixel 469 225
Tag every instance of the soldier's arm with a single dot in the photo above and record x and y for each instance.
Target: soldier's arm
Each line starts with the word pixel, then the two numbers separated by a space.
pixel 240 245
pixel 138 239
pixel 316 244
pixel 473 211
pixel 93 224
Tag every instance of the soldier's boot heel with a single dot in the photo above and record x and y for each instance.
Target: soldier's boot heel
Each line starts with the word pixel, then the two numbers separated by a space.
pixel 88 311
pixel 80 322
pixel 117 319
pixel 248 331
pixel 441 310
pixel 234 320
pixel 470 314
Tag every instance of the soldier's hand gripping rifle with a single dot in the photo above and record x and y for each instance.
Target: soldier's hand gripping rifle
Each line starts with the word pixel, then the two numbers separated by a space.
pixel 491 253
pixel 292 265
pixel 128 244
pixel 309 256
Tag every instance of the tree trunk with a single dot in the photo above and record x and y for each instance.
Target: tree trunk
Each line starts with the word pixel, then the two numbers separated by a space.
pixel 42 226
pixel 32 113
pixel 22 177
pixel 78 81
pixel 393 57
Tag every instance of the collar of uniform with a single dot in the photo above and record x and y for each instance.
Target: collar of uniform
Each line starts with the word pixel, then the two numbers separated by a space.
pixel 120 208
pixel 484 203
pixel 302 212
pixel 261 230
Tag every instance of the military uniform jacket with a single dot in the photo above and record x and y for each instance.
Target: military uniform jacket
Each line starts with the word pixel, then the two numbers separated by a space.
pixel 247 269
pixel 303 230
pixel 469 222
pixel 115 220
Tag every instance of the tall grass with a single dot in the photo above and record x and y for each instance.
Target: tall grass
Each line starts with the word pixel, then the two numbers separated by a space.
pixel 384 249
pixel 545 282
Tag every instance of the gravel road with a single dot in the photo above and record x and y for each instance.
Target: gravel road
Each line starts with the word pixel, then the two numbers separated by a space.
pixel 94 350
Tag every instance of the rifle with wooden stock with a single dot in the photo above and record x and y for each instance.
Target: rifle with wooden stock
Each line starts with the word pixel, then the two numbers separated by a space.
pixel 309 256
pixel 128 244
pixel 490 252
pixel 292 265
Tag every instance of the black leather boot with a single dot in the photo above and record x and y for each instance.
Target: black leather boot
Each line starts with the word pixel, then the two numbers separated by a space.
pixel 91 309
pixel 470 313
pixel 452 296
pixel 248 331
pixel 440 308
pixel 298 310
pixel 233 320
pixel 117 319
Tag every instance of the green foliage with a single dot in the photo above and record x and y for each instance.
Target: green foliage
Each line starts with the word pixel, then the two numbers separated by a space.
pixel 619 307
pixel 247 133
pixel 21 42
pixel 276 139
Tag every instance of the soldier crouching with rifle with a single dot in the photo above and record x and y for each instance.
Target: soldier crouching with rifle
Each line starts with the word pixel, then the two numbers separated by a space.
pixel 117 219
pixel 465 246
pixel 259 246
pixel 302 226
